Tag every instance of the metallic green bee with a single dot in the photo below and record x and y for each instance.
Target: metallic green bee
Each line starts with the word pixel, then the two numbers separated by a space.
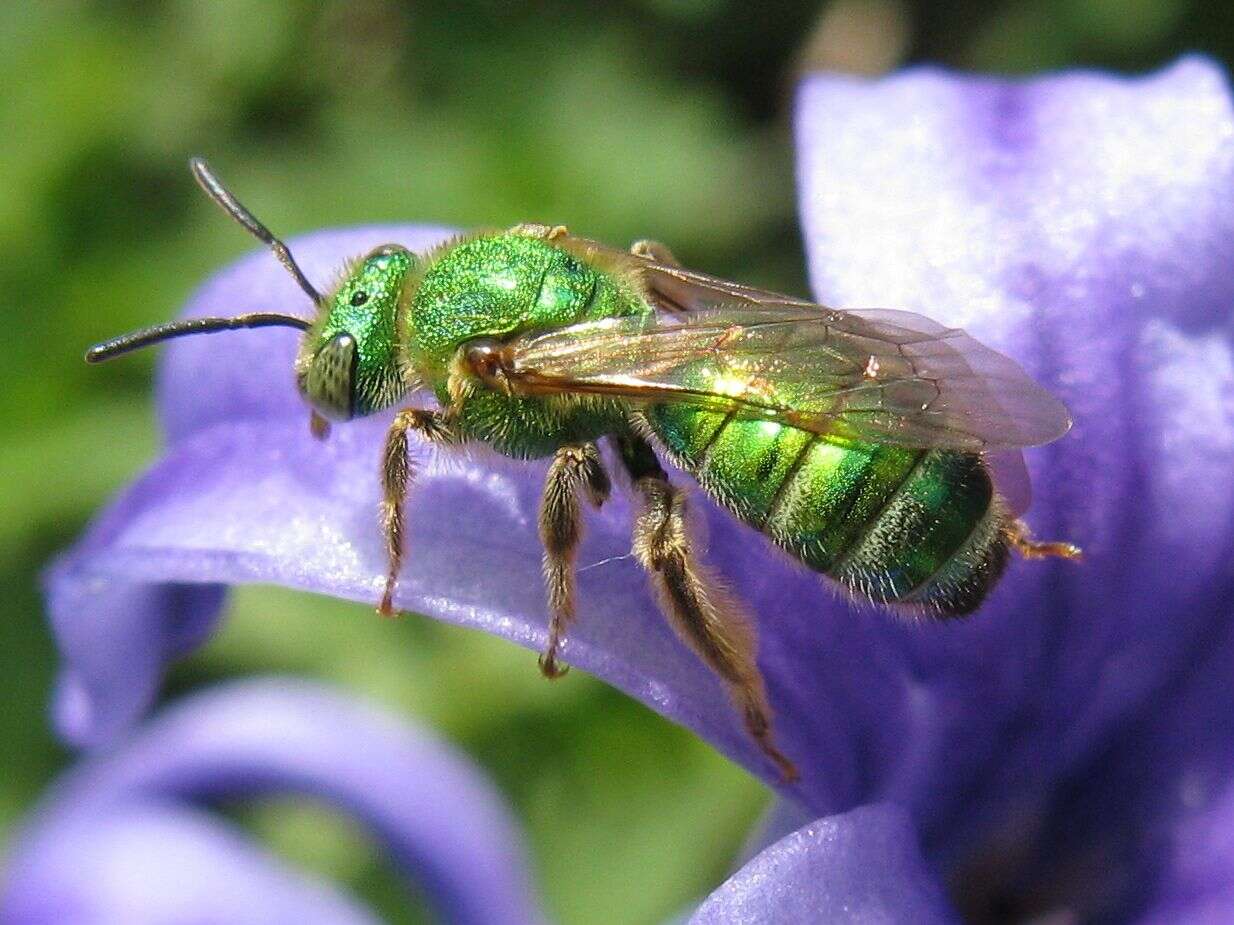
pixel 857 441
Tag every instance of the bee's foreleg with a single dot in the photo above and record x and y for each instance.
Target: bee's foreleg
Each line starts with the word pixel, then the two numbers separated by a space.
pixel 707 618
pixel 397 471
pixel 654 250
pixel 574 470
pixel 1023 543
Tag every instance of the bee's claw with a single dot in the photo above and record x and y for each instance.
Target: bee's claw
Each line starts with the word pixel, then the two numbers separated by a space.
pixel 386 607
pixel 549 666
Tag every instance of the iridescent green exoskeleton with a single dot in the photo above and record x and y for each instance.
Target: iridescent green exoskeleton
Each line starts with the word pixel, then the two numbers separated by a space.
pixel 859 442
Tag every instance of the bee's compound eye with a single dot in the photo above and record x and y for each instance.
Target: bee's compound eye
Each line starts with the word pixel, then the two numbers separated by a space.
pixel 330 379
pixel 359 297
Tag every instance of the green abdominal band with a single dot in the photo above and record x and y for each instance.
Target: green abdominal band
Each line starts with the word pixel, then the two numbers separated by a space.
pixel 894 524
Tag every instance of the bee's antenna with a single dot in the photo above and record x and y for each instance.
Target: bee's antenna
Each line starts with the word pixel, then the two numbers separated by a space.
pixel 146 336
pixel 231 205
pixel 159 332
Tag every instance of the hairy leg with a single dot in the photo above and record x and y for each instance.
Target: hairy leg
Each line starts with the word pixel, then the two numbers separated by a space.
pixel 1023 543
pixel 574 470
pixel 707 618
pixel 397 472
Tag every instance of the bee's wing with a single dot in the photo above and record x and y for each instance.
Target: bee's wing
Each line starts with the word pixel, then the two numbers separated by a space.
pixel 1011 478
pixel 886 376
pixel 676 290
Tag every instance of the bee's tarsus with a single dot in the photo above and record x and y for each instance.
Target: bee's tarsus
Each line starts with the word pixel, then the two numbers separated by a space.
pixel 759 728
pixel 1023 543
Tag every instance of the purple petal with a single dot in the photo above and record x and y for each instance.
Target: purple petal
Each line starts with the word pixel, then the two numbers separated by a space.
pixel 437 818
pixel 1084 225
pixel 1146 833
pixel 862 866
pixel 160 864
pixel 1016 209
pixel 116 640
pixel 782 818
pixel 1197 882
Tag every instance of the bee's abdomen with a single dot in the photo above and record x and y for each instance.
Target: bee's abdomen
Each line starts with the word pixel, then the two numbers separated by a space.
pixel 894 525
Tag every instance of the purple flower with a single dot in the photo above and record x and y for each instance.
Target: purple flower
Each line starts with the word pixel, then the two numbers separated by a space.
pixel 125 838
pixel 1067 748
pixel 122 839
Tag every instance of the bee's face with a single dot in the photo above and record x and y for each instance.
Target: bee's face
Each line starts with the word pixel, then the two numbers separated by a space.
pixel 349 362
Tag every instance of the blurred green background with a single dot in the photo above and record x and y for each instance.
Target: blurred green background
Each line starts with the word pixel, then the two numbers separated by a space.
pixel 621 118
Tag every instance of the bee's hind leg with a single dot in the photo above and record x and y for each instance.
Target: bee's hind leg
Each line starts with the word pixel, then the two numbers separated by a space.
pixel 1022 542
pixel 707 618
pixel 574 470
pixel 397 472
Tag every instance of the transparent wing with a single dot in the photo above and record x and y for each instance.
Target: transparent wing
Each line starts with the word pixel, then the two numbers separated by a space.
pixel 888 376
pixel 675 289
pixel 1011 478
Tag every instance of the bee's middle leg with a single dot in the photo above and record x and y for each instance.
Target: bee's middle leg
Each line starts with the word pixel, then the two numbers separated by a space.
pixel 574 470
pixel 707 618
pixel 397 472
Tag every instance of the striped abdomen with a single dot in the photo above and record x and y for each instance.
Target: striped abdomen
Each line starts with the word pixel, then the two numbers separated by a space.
pixel 894 525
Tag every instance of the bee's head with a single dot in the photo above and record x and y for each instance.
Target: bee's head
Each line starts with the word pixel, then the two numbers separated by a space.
pixel 350 362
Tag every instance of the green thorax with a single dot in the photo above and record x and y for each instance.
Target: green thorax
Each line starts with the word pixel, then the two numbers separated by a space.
pixel 500 285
